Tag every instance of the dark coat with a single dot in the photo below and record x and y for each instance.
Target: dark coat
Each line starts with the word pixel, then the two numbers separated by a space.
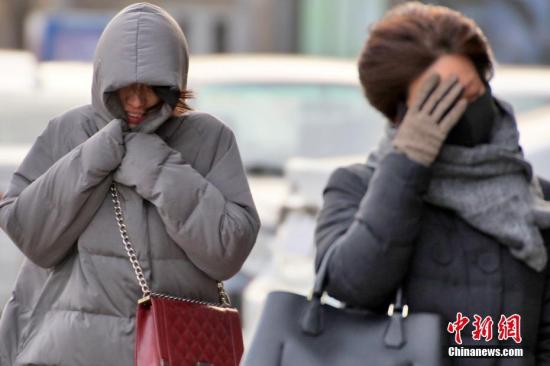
pixel 389 236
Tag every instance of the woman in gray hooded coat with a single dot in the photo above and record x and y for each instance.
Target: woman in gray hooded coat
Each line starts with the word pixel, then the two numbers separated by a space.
pixel 184 193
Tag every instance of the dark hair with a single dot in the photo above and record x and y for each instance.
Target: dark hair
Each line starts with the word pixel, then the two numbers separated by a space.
pixel 182 106
pixel 406 41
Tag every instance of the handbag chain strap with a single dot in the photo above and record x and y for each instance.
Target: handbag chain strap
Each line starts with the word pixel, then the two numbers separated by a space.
pixel 132 256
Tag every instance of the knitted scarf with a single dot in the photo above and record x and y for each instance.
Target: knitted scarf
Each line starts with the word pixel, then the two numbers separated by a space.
pixel 490 186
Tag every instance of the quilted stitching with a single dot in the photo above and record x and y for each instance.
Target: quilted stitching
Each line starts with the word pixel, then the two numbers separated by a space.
pixel 192 333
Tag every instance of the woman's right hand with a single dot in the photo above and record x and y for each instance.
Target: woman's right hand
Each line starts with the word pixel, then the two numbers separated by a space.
pixel 431 116
pixel 104 150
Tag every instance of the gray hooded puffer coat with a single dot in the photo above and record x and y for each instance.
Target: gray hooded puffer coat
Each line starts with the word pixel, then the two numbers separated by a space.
pixel 184 192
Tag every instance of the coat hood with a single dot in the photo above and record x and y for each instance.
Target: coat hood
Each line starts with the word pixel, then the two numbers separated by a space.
pixel 141 44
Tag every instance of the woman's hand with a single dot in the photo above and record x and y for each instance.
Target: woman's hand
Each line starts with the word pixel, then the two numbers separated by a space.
pixel 429 119
pixel 103 151
pixel 145 153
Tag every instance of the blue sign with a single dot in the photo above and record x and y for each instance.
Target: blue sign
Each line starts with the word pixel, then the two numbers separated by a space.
pixel 72 35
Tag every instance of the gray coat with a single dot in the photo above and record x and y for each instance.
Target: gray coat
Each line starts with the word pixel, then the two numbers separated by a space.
pixel 184 192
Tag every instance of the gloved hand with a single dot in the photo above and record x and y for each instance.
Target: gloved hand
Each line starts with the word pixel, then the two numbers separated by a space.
pixel 145 153
pixel 433 113
pixel 103 151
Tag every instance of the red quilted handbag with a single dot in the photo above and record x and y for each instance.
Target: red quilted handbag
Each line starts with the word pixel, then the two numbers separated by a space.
pixel 172 331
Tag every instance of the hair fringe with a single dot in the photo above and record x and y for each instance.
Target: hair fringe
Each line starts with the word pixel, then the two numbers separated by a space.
pixel 182 107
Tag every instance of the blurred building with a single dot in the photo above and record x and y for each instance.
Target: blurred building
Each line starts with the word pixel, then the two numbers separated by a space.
pixel 211 26
pixel 337 28
pixel 12 16
pixel 518 30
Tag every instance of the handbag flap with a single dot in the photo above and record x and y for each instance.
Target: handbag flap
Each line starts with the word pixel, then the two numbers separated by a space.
pixel 190 333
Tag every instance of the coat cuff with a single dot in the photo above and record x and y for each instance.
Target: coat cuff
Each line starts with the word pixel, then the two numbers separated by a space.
pixel 409 171
pixel 394 196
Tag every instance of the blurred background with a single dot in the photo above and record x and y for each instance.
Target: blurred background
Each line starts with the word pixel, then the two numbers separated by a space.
pixel 518 30
pixel 282 75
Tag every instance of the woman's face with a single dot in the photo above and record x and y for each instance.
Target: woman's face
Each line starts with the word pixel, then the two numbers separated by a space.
pixel 137 100
pixel 449 65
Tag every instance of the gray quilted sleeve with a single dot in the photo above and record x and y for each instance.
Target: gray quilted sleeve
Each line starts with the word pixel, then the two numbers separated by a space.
pixel 49 203
pixel 212 217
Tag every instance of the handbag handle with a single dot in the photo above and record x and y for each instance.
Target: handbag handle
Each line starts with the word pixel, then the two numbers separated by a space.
pixel 320 284
pixel 322 274
pixel 132 256
pixel 312 319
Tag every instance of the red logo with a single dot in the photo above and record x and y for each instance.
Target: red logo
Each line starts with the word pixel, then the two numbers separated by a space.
pixel 457 326
pixel 508 327
pixel 483 328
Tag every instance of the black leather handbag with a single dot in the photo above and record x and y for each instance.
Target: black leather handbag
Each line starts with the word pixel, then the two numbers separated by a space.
pixel 297 331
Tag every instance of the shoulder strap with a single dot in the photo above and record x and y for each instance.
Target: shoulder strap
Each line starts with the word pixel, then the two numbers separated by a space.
pixel 321 277
pixel 132 256
pixel 399 303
